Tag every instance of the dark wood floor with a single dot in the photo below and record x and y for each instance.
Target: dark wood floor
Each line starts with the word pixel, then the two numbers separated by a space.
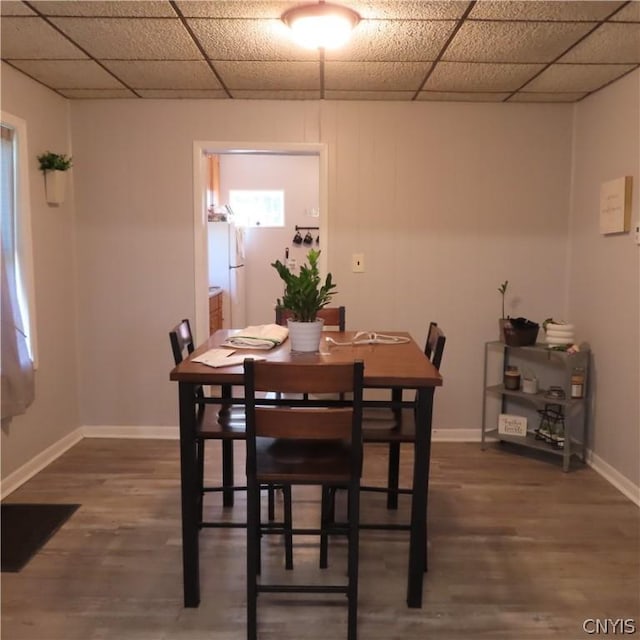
pixel 518 550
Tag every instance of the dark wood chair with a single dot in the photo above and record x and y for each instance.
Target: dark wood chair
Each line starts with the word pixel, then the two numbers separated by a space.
pixel 332 316
pixel 398 425
pixel 305 442
pixel 223 422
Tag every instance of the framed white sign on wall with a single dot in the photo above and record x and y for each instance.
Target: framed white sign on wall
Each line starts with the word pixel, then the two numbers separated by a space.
pixel 615 205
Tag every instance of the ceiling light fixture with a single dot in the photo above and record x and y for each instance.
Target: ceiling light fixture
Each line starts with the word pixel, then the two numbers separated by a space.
pixel 321 25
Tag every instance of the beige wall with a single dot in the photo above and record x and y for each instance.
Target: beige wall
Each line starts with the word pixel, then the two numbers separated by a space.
pixel 54 414
pixel 445 201
pixel 604 274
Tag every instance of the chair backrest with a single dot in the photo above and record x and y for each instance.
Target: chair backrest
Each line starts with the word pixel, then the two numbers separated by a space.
pixel 332 316
pixel 434 347
pixel 181 341
pixel 312 419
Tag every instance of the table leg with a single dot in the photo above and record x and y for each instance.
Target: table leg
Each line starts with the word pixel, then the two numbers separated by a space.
pixel 189 490
pixel 227 453
pixel 418 538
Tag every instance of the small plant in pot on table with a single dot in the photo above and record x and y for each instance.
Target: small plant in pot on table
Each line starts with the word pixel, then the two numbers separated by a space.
pixel 304 295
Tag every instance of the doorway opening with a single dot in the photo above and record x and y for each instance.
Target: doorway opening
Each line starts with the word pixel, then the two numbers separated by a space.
pixel 262 246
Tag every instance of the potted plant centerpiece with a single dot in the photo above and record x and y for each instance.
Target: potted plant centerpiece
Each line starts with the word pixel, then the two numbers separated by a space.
pixel 53 165
pixel 304 295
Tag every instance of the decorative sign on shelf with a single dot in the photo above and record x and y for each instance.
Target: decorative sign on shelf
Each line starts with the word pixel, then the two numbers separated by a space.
pixel 510 425
pixel 615 205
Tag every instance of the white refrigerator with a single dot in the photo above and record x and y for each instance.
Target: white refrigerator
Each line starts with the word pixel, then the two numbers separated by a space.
pixel 227 270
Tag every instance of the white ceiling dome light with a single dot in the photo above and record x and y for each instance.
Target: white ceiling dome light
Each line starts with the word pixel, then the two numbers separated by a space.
pixel 321 25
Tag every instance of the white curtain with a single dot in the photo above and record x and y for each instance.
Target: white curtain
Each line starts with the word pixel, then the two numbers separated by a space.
pixel 18 386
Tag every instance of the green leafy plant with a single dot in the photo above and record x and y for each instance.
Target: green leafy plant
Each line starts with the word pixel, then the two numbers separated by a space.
pixel 304 294
pixel 54 161
pixel 502 289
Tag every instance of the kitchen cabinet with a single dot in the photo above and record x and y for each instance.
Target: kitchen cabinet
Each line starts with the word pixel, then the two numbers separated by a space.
pixel 215 310
pixel 557 425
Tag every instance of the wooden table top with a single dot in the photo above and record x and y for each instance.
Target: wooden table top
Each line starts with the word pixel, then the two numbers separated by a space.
pixel 385 365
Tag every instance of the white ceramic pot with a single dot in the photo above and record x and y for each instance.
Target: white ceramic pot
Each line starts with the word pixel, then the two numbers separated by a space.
pixel 55 183
pixel 305 336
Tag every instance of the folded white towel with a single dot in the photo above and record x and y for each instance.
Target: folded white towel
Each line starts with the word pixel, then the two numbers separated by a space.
pixel 262 336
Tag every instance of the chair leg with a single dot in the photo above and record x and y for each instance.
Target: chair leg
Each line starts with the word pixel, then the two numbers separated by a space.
pixel 200 472
pixel 227 472
pixel 393 475
pixel 354 533
pixel 288 526
pixel 253 557
pixel 327 514
pixel 271 497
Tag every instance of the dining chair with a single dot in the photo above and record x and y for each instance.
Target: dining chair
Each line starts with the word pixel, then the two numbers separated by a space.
pixel 303 442
pixel 223 422
pixel 397 426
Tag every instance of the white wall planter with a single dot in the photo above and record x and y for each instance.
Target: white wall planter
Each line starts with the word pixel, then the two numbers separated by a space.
pixel 55 183
pixel 305 336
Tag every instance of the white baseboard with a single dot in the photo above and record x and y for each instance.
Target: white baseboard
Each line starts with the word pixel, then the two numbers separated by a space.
pixel 39 462
pixel 28 470
pixel 144 433
pixel 620 482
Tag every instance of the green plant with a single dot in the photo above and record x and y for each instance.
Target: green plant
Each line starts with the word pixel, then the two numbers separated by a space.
pixel 54 161
pixel 503 290
pixel 304 294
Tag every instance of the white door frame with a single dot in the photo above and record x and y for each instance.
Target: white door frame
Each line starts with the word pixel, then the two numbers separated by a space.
pixel 200 245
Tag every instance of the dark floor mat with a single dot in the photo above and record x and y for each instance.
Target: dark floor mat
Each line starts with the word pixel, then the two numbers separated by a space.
pixel 26 528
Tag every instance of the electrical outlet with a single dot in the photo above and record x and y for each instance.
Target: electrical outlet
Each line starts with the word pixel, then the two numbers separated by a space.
pixel 357 263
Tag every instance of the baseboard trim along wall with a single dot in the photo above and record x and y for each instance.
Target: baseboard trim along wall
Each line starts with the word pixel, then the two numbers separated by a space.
pixel 46 457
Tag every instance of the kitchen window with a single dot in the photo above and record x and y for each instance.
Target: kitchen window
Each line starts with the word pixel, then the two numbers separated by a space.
pixel 257 208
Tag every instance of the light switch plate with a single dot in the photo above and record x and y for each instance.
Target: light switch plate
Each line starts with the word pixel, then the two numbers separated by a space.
pixel 357 263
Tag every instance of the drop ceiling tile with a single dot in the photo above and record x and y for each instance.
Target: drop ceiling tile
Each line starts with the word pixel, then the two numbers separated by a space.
pixel 148 8
pixel 619 43
pixel 387 41
pixel 629 13
pixel 514 41
pixel 241 94
pixel 68 74
pixel 374 76
pixel 531 96
pixel 577 77
pixel 126 39
pixel 461 96
pixel 234 9
pixel 190 94
pixel 274 76
pixel 34 39
pixel 546 10
pixel 369 95
pixel 466 76
pixel 408 9
pixel 164 74
pixel 248 40
pixel 14 8
pixel 92 94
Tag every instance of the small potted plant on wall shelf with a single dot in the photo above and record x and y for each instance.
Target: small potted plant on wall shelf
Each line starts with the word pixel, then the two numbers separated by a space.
pixel 304 295
pixel 54 165
pixel 502 289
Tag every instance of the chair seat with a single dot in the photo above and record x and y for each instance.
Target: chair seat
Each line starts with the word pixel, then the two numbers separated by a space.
pixel 302 461
pixel 380 425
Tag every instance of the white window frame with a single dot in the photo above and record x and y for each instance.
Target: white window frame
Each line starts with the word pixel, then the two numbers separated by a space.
pixel 23 230
pixel 262 198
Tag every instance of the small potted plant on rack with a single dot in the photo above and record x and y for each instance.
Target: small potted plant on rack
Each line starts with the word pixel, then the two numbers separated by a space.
pixel 304 295
pixel 502 289
pixel 54 165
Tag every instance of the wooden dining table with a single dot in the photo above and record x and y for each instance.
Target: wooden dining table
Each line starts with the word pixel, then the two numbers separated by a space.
pixel 397 365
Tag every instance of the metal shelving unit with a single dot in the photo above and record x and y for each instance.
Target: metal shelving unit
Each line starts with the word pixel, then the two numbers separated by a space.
pixel 552 368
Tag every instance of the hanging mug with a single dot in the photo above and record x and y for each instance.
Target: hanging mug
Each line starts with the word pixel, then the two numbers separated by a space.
pixel 297 239
pixel 308 239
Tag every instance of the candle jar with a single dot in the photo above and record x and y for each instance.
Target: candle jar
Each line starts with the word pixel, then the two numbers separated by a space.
pixel 512 378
